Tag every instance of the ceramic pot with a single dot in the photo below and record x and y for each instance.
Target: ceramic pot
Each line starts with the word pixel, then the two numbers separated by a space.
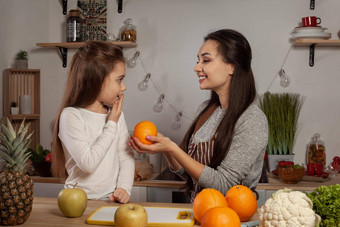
pixel 21 64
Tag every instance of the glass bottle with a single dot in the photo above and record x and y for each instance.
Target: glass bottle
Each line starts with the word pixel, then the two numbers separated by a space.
pixel 128 31
pixel 74 26
pixel 316 150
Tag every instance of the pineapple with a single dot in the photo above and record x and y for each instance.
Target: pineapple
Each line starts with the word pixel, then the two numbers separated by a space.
pixel 16 187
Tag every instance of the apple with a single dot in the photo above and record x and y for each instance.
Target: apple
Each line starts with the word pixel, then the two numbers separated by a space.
pixel 72 202
pixel 131 215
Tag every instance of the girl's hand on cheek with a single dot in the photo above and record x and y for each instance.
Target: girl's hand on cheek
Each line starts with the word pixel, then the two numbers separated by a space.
pixel 116 110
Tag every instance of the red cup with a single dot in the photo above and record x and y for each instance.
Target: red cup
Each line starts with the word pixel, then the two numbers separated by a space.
pixel 314 169
pixel 311 21
pixel 310 169
pixel 318 169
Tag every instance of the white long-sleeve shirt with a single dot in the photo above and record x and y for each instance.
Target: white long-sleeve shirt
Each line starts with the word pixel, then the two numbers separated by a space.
pixel 96 152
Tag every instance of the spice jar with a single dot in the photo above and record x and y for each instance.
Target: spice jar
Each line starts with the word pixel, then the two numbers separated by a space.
pixel 316 150
pixel 74 26
pixel 128 31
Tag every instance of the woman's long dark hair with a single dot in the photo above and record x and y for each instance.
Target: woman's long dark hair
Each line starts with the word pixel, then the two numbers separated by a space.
pixel 234 49
pixel 88 69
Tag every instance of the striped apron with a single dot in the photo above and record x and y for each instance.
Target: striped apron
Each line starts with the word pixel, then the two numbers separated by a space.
pixel 201 151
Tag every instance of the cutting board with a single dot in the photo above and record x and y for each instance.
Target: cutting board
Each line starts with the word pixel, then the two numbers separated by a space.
pixel 157 216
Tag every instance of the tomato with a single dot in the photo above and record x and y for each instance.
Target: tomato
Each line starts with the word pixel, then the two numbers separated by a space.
pixel 48 157
pixel 286 163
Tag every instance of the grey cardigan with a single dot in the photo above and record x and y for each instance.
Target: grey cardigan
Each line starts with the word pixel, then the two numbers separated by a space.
pixel 244 161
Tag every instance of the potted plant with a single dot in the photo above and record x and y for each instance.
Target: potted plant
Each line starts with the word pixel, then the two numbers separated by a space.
pixel 282 112
pixel 14 108
pixel 41 160
pixel 21 60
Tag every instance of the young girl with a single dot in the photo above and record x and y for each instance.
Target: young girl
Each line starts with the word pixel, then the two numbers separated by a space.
pixel 90 133
pixel 226 143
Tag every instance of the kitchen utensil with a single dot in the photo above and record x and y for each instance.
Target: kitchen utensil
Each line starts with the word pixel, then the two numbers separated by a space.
pixel 319 35
pixel 157 216
pixel 311 21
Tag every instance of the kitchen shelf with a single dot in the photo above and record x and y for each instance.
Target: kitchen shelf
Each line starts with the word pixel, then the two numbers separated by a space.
pixel 63 47
pixel 319 42
pixel 18 82
pixel 312 43
pixel 24 116
pixel 119 2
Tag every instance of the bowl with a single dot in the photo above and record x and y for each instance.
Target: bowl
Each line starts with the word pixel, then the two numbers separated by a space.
pixel 290 175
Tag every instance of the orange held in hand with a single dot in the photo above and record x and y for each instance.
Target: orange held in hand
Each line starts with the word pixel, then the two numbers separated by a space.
pixel 206 199
pixel 220 217
pixel 242 200
pixel 144 129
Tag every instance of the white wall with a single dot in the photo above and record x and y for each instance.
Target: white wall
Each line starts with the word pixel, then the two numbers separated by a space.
pixel 170 33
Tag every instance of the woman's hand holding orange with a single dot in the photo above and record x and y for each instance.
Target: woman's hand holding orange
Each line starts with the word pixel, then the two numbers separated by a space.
pixel 160 144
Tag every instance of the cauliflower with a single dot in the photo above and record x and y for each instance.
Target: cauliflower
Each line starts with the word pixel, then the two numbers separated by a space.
pixel 287 208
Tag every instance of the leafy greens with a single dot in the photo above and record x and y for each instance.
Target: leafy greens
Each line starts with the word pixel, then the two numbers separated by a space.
pixel 326 203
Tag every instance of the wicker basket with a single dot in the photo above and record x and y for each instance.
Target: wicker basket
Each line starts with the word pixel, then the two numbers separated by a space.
pixel 290 175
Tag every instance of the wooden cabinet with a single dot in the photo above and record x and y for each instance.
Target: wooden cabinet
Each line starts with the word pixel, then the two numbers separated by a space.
pixel 18 82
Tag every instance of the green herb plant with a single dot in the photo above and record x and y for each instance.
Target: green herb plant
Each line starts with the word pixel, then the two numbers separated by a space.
pixel 282 112
pixel 326 203
pixel 22 55
pixel 39 154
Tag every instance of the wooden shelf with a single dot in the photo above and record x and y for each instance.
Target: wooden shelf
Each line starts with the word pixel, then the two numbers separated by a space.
pixel 312 43
pixel 18 82
pixel 63 47
pixel 319 42
pixel 23 116
pixel 74 45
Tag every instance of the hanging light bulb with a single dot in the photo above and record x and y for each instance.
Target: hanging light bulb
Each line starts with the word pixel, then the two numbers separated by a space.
pixel 132 62
pixel 284 79
pixel 142 86
pixel 177 124
pixel 158 107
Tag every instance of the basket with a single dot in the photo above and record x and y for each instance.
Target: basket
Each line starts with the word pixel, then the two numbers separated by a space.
pixel 290 175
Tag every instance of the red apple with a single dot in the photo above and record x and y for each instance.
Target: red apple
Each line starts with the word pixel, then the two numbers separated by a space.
pixel 131 215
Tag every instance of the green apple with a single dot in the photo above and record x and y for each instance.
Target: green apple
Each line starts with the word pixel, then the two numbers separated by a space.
pixel 72 202
pixel 131 215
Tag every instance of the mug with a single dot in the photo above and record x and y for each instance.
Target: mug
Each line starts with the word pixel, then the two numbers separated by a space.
pixel 314 169
pixel 311 21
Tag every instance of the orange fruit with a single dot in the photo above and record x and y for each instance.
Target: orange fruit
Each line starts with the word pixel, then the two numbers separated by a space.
pixel 144 129
pixel 242 200
pixel 206 199
pixel 220 217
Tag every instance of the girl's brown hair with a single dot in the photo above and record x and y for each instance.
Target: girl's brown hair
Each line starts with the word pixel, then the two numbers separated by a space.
pixel 88 69
pixel 234 49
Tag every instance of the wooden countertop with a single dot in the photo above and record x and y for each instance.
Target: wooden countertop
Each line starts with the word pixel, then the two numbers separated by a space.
pixel 45 212
pixel 308 183
pixel 143 183
pixel 274 183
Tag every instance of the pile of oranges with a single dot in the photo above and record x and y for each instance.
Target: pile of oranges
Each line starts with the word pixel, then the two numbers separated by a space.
pixel 212 208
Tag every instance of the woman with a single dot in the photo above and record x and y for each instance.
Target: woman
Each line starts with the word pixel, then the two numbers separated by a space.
pixel 226 143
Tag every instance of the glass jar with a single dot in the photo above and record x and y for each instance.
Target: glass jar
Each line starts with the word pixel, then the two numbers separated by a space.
pixel 74 26
pixel 316 150
pixel 128 31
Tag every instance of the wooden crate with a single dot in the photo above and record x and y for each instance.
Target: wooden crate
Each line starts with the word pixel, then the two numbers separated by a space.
pixel 17 82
